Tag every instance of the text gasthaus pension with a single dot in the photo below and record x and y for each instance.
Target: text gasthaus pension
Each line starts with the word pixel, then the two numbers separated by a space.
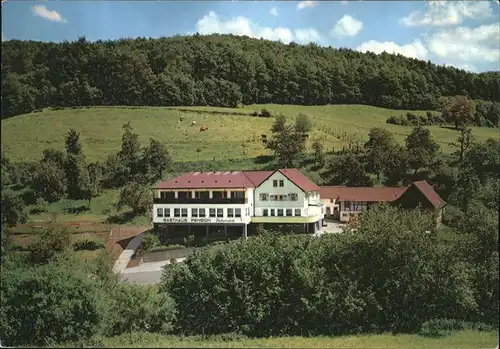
pixel 198 220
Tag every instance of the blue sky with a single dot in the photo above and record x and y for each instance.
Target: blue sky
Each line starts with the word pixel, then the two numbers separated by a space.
pixel 462 34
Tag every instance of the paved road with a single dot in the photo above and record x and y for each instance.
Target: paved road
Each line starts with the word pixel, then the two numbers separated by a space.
pixel 146 273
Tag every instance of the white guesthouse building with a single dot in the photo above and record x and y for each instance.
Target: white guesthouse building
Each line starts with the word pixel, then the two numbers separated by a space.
pixel 237 200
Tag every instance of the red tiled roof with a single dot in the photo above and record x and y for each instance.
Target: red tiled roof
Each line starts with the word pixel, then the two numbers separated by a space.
pixel 367 194
pixel 257 177
pixel 299 179
pixel 234 179
pixel 221 179
pixel 428 191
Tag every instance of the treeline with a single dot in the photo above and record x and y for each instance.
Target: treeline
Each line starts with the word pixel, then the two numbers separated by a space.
pixel 223 70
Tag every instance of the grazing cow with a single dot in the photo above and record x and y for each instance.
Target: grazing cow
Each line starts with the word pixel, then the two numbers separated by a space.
pixel 203 128
pixel 193 123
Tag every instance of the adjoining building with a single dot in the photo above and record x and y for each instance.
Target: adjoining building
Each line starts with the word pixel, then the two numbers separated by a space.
pixel 342 203
pixel 204 201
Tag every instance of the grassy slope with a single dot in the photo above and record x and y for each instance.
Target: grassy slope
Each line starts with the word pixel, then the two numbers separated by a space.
pixel 464 339
pixel 24 137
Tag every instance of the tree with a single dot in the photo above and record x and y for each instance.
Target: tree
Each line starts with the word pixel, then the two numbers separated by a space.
pixel 49 244
pixel 46 305
pixel 73 145
pixel 380 150
pixel 460 110
pixel 131 147
pixel 279 123
pixel 348 169
pixel 93 182
pixel 49 181
pixel 13 210
pixel 465 140
pixel 286 145
pixel 422 149
pixel 319 156
pixel 396 166
pixel 75 166
pixel 137 197
pixel 303 124
pixel 157 159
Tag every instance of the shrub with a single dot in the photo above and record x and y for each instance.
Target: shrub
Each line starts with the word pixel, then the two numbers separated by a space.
pixel 48 244
pixel 139 308
pixel 265 113
pixel 88 245
pixel 46 305
pixel 190 241
pixel 396 120
pixel 255 113
pixel 444 327
pixel 150 240
pixel 166 248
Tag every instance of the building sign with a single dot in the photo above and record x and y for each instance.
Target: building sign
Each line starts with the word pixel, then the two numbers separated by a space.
pixel 199 220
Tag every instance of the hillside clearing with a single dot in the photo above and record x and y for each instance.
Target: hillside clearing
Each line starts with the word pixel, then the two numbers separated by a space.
pixel 24 137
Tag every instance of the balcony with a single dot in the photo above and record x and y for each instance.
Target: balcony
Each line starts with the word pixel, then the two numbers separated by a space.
pixel 199 201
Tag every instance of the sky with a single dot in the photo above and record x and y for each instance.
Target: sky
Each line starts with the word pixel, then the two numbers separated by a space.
pixel 461 34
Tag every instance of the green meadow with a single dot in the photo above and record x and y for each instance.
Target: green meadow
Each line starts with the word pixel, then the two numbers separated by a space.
pixel 24 137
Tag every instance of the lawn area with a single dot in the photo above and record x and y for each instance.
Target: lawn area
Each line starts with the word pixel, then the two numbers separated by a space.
pixel 463 340
pixel 24 137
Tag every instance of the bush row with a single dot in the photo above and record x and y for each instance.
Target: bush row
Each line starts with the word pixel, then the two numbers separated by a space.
pixel 410 119
pixel 389 276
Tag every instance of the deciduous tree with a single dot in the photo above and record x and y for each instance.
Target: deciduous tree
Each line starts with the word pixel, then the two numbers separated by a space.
pixel 460 110
pixel 422 149
pixel 157 159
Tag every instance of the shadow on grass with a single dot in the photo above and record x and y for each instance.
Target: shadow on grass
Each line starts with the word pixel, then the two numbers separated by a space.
pixel 76 209
pixel 29 197
pixel 263 159
pixel 121 218
pixel 449 127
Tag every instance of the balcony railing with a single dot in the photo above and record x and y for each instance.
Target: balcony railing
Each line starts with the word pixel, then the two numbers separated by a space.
pixel 199 201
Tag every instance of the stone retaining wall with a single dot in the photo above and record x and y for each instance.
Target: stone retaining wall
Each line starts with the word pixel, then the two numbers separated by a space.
pixel 167 255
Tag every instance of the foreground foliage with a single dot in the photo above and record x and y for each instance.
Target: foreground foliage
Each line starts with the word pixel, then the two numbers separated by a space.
pixel 389 276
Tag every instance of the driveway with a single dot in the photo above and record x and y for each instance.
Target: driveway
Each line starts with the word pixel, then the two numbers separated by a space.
pixel 331 228
pixel 146 273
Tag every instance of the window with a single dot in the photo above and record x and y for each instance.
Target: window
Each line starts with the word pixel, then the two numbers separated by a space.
pixel 282 183
pixel 216 195
pixel 264 197
pixel 265 212
pixel 159 212
pixel 196 195
pixel 211 212
pixel 297 212
pixel 194 212
pixel 237 212
pixel 293 196
pixel 274 197
pixel 220 212
pixel 204 195
pixel 281 197
pixel 184 212
pixel 230 212
pixel 163 194
pixel 275 183
pixel 289 212
pixel 177 212
pixel 237 195
pixel 167 212
pixel 201 212
pixel 272 212
pixel 280 212
pixel 182 194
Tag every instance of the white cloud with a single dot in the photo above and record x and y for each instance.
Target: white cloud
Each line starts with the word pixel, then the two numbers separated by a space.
pixel 347 26
pixel 446 13
pixel 274 11
pixel 464 66
pixel 465 44
pixel 211 24
pixel 305 4
pixel 42 11
pixel 413 50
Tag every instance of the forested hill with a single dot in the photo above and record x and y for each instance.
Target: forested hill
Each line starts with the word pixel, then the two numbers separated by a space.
pixel 222 70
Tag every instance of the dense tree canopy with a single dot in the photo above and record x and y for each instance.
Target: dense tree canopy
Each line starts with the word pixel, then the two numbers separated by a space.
pixel 223 70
